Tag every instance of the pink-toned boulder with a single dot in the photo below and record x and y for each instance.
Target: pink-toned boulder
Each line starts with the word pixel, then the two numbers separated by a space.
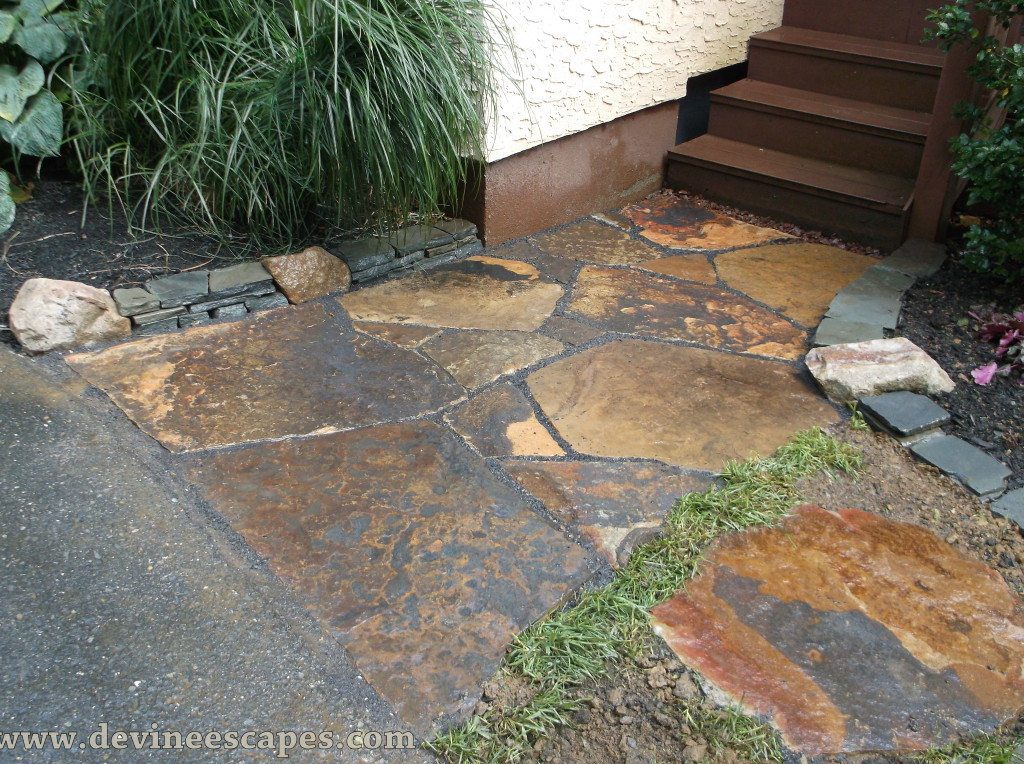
pixel 48 314
pixel 851 371
pixel 311 273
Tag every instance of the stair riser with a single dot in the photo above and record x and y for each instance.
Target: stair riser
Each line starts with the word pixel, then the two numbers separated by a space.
pixel 852 222
pixel 832 142
pixel 893 20
pixel 890 86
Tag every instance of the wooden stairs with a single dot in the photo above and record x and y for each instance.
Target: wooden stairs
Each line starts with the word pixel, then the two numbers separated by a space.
pixel 828 129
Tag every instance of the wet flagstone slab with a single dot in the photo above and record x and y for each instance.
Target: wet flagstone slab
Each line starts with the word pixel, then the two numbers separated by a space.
pixel 476 293
pixel 634 302
pixel 671 222
pixel 613 504
pixel 591 242
pixel 501 422
pixel 285 372
pixel 684 406
pixel 853 633
pixel 689 267
pixel 402 335
pixel 570 331
pixel 798 279
pixel 400 541
pixel 475 358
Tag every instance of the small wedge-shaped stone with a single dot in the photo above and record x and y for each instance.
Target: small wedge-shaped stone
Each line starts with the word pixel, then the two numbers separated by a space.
pixel 311 273
pixel 849 372
pixel 58 315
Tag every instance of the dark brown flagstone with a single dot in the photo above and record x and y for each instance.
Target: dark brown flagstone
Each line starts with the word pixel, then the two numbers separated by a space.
pixel 403 335
pixel 671 222
pixel 592 242
pixel 646 304
pixel 286 372
pixel 501 422
pixel 403 545
pixel 613 504
pixel 853 633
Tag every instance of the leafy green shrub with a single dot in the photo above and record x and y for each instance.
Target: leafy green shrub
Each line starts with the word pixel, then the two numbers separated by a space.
pixel 991 157
pixel 270 118
pixel 36 43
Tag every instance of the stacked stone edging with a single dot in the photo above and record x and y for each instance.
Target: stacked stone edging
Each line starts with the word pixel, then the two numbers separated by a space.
pixel 373 257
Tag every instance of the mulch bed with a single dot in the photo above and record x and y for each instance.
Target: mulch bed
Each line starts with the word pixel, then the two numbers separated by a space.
pixel 935 317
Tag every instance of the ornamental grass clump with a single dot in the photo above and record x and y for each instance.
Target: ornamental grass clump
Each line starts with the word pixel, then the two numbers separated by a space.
pixel 270 119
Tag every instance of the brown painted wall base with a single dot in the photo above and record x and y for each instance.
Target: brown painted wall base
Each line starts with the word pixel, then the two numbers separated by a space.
pixel 601 168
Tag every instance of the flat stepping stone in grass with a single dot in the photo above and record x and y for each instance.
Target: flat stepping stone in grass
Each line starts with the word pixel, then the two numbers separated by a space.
pixel 902 413
pixel 1011 506
pixel 981 473
pixel 852 633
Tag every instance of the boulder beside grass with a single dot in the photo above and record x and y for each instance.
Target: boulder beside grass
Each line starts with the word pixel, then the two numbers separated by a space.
pixel 48 314
pixel 311 273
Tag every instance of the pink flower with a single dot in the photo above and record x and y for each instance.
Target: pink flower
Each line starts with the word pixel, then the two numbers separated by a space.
pixel 983 374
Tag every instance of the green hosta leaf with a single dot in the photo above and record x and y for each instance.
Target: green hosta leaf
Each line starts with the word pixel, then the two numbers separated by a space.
pixel 32 11
pixel 17 87
pixel 44 42
pixel 8 23
pixel 6 203
pixel 39 129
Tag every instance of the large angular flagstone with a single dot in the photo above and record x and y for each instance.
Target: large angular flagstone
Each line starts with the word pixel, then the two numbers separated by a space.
pixel 591 242
pixel 501 422
pixel 285 372
pixel 403 545
pixel 646 304
pixel 613 504
pixel 853 633
pixel 671 222
pixel 797 278
pixel 684 406
pixel 476 293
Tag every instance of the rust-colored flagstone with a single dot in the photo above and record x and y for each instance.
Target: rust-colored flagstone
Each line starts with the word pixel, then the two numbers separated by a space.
pixel 635 302
pixel 613 504
pixel 853 633
pixel 695 267
pixel 501 422
pixel 591 242
pixel 285 372
pixel 671 222
pixel 403 335
pixel 684 406
pixel 477 357
pixel 403 545
pixel 570 331
pixel 798 279
pixel 476 293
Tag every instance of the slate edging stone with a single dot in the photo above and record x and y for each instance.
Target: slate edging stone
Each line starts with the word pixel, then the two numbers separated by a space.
pixel 1011 506
pixel 903 413
pixel 981 473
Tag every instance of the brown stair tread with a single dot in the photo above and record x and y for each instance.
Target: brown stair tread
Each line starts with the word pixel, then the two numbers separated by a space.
pixel 851 183
pixel 826 43
pixel 767 96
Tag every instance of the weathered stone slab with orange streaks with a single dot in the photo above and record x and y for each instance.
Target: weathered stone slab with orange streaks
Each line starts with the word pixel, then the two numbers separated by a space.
pixel 613 504
pixel 681 405
pixel 591 242
pixel 635 302
pixel 401 542
pixel 694 267
pixel 501 422
pixel 285 372
pixel 671 222
pixel 403 335
pixel 853 632
pixel 476 357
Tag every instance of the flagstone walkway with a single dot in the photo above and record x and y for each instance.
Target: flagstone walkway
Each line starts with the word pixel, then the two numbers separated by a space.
pixel 432 463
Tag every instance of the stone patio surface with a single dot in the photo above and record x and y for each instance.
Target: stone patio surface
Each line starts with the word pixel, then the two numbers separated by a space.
pixel 431 463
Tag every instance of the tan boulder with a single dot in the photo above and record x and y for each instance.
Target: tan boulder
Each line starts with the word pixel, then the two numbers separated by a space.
pixel 311 273
pixel 48 314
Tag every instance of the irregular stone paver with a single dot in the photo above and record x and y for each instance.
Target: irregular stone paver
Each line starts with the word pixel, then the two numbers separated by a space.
pixel 853 633
pixel 591 242
pixel 797 278
pixel 836 331
pixel 684 406
pixel 309 274
pixel 570 331
pixel 501 422
pixel 641 303
pixel 613 504
pixel 400 541
pixel 917 258
pixel 477 357
pixel 983 474
pixel 289 372
pixel 688 267
pixel 671 222
pixel 1011 506
pixel 903 414
pixel 849 372
pixel 476 293
pixel 398 334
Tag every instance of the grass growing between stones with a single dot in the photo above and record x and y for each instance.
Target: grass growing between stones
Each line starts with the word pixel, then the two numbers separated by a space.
pixel 983 750
pixel 610 624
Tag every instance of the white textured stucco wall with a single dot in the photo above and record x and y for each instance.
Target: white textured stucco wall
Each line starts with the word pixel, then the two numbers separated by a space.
pixel 580 63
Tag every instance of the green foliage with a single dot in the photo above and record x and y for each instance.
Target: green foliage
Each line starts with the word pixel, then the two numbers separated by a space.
pixel 36 46
pixel 991 156
pixel 983 750
pixel 272 118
